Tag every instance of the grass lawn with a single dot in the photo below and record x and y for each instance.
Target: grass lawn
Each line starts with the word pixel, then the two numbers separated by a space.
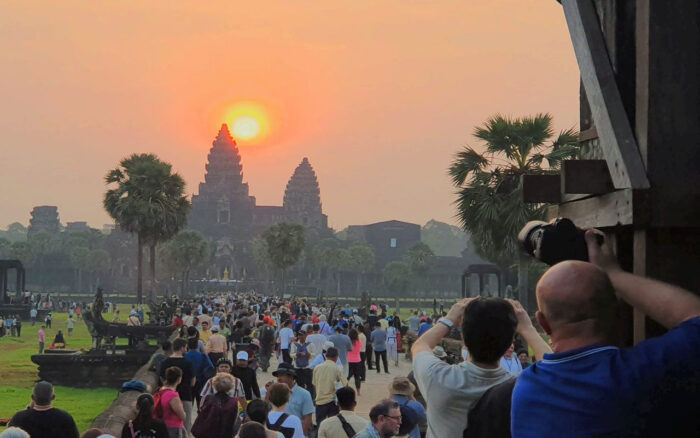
pixel 18 374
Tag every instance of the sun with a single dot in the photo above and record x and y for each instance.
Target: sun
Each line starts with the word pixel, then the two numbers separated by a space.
pixel 245 127
pixel 249 122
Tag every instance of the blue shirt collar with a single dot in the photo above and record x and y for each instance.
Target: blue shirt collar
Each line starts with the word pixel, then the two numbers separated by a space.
pixel 577 353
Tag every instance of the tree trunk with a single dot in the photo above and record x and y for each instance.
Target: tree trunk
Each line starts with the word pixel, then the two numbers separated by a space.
pixel 337 285
pixel 152 260
pixel 523 289
pixel 357 283
pixel 80 280
pixel 139 272
pixel 182 286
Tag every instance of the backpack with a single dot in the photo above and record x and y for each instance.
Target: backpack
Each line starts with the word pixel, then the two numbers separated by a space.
pixel 288 432
pixel 302 361
pixel 216 417
pixel 409 419
pixel 158 404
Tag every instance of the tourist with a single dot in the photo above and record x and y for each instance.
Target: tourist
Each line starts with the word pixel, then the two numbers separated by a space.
pixel 70 324
pixel 267 344
pixel 2 327
pixel 187 380
pixel 41 419
pixel 488 327
pixel 346 423
pixel 254 429
pixel 14 432
pixel 363 350
pixel 386 420
pixel 32 315
pixel 524 358
pixel 256 412
pixel 278 419
pixel 323 327
pixel 144 425
pixel 342 343
pixel 59 341
pixel 316 340
pixel 205 333
pixel 171 408
pixel 203 367
pixel 401 390
pixel 301 355
pixel 133 320
pixel 216 345
pixel 392 343
pixel 321 358
pixel 18 325
pixel 325 378
pixel 237 391
pixel 300 400
pixel 589 385
pixel 218 412
pixel 94 432
pixel 378 339
pixel 355 362
pixel 414 321
pixel 247 376
pixel 41 336
pixel 285 337
pixel 48 320
pixel 166 351
pixel 425 326
pixel 510 361
pixel 116 318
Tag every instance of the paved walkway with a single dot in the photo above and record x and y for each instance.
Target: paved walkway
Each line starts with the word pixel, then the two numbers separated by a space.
pixel 375 388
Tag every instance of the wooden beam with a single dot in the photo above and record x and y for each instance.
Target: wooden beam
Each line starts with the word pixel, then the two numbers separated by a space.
pixel 609 210
pixel 586 176
pixel 613 126
pixel 541 188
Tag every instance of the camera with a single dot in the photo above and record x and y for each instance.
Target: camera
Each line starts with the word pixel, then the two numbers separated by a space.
pixel 555 241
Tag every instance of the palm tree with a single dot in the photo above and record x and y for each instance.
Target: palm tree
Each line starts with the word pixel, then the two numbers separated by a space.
pixel 285 244
pixel 186 251
pixel 361 260
pixel 148 200
pixel 489 195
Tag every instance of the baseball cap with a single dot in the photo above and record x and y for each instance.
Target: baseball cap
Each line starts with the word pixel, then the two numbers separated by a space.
pixel 242 355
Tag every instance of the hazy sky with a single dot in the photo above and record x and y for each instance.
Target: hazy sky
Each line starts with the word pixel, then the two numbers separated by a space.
pixel 378 94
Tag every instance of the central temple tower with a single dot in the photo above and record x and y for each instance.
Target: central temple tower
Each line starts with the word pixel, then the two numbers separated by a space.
pixel 223 209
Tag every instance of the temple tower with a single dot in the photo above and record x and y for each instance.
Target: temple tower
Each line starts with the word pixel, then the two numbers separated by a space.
pixel 302 201
pixel 44 218
pixel 223 209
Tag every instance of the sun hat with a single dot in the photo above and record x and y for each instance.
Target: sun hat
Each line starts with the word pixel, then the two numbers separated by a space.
pixel 284 368
pixel 401 386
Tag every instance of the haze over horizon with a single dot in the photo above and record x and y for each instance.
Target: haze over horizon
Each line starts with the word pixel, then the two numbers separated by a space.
pixel 378 95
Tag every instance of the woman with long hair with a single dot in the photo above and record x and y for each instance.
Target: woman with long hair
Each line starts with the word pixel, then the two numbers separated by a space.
pixel 144 425
pixel 355 359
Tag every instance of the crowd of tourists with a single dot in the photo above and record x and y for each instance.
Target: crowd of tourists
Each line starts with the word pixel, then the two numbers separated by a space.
pixel 578 383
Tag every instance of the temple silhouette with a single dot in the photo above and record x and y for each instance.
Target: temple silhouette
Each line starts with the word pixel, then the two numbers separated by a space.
pixel 225 212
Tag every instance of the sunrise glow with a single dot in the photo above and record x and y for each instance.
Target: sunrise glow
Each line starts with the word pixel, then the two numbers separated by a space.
pixel 249 121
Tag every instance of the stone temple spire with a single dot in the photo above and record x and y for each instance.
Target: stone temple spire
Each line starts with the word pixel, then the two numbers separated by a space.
pixel 224 168
pixel 302 198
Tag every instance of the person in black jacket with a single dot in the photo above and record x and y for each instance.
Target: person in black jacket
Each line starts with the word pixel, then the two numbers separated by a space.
pixel 247 376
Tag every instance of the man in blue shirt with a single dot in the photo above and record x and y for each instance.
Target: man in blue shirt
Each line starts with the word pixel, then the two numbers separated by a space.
pixel 300 402
pixel 424 327
pixel 588 387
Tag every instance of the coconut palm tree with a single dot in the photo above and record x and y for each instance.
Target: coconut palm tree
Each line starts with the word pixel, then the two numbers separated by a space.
pixel 285 244
pixel 147 199
pixel 489 194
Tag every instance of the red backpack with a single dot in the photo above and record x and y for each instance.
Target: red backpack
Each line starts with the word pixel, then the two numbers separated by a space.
pixel 158 404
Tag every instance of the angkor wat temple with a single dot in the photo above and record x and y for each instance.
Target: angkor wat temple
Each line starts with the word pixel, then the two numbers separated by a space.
pixel 226 213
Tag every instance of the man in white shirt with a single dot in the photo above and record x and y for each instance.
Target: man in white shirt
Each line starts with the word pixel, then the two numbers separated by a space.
pixel 450 391
pixel 286 335
pixel 510 362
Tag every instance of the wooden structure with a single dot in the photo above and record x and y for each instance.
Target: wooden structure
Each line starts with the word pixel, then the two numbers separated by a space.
pixel 640 135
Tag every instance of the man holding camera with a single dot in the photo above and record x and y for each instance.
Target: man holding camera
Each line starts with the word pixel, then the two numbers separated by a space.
pixel 590 387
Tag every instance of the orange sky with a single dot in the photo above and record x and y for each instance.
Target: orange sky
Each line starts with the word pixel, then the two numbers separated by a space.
pixel 379 94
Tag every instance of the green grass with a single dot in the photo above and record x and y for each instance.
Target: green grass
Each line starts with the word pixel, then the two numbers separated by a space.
pixel 18 373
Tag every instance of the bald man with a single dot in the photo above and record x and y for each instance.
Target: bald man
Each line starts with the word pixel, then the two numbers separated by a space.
pixel 588 387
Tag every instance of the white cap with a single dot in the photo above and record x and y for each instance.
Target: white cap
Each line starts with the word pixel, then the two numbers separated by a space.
pixel 242 355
